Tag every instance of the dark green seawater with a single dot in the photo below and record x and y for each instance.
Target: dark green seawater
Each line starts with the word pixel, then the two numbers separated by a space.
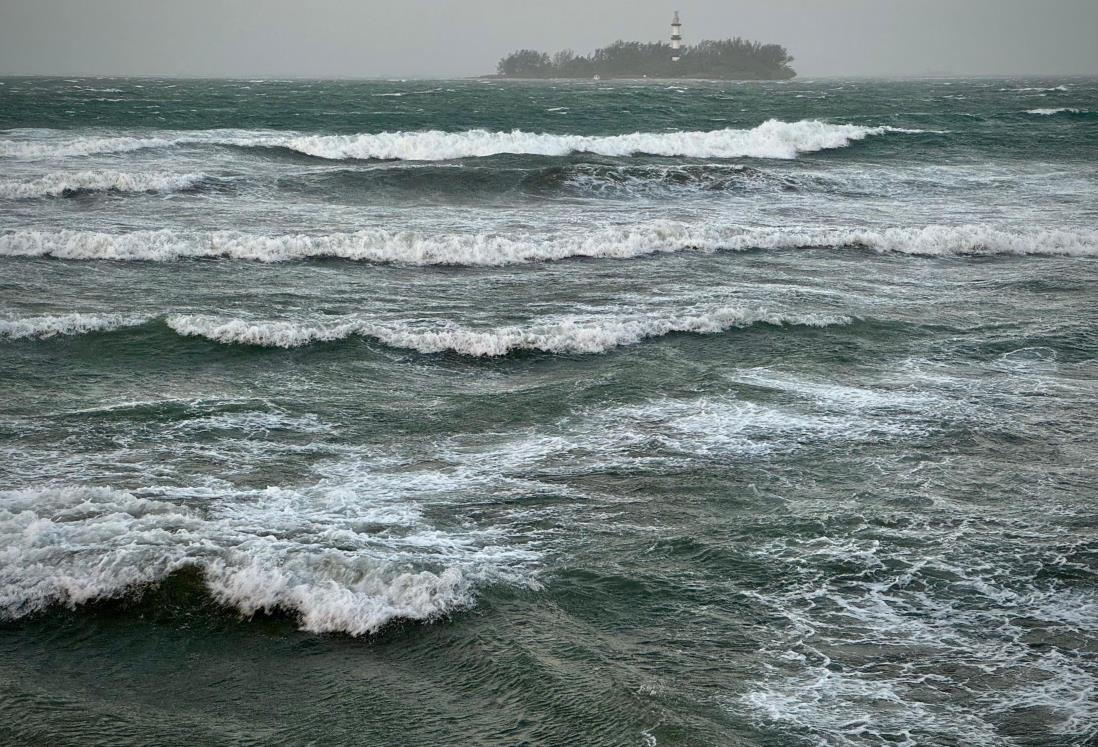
pixel 589 413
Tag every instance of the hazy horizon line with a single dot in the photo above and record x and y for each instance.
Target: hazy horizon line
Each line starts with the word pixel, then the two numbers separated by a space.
pixel 494 76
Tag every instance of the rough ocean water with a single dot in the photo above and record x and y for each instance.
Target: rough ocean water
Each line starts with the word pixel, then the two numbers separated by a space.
pixel 604 413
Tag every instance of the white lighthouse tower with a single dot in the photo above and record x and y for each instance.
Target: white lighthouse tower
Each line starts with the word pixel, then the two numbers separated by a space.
pixel 676 38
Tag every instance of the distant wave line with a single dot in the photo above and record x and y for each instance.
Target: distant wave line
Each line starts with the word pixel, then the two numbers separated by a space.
pixel 415 248
pixel 65 183
pixel 575 335
pixel 1059 110
pixel 771 139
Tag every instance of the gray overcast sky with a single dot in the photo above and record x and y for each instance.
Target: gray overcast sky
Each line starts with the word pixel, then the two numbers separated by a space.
pixel 363 38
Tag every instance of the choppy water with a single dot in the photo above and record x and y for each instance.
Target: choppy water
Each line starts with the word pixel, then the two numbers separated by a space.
pixel 556 413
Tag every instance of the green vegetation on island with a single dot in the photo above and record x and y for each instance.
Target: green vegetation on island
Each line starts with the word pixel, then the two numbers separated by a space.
pixel 730 59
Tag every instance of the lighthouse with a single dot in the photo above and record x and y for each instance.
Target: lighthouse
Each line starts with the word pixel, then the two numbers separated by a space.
pixel 676 38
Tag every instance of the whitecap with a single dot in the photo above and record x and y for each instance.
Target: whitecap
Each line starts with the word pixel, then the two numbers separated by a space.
pixel 1060 110
pixel 491 249
pixel 771 139
pixel 576 335
pixel 310 552
pixel 59 183
pixel 40 327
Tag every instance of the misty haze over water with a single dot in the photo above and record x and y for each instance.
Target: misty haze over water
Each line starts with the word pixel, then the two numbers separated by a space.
pixel 424 38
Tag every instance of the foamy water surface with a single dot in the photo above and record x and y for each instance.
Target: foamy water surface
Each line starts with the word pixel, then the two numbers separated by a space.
pixel 490 412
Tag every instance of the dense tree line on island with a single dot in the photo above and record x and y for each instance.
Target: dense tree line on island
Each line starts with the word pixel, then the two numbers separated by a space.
pixel 730 59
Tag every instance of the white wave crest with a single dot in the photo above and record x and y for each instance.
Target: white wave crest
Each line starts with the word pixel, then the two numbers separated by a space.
pixel 372 245
pixel 355 598
pixel 60 183
pixel 41 327
pixel 1037 89
pixel 565 335
pixel 486 249
pixel 47 144
pixel 1060 110
pixel 78 146
pixel 304 552
pixel 269 334
pixel 975 240
pixel 771 139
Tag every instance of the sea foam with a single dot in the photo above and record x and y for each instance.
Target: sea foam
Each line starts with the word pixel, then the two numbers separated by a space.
pixel 40 327
pixel 771 139
pixel 1037 89
pixel 578 335
pixel 61 183
pixel 78 146
pixel 571 334
pixel 888 584
pixel 71 545
pixel 1060 110
pixel 492 249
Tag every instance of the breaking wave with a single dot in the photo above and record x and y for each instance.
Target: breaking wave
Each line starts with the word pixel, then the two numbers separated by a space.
pixel 1037 89
pixel 564 335
pixel 1060 110
pixel 65 183
pixel 490 249
pixel 73 545
pixel 372 245
pixel 771 139
pixel 974 240
pixel 79 146
pixel 41 327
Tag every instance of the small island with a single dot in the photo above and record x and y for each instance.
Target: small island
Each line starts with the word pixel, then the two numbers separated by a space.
pixel 727 59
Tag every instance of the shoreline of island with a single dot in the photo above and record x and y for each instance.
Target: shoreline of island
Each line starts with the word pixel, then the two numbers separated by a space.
pixel 734 59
